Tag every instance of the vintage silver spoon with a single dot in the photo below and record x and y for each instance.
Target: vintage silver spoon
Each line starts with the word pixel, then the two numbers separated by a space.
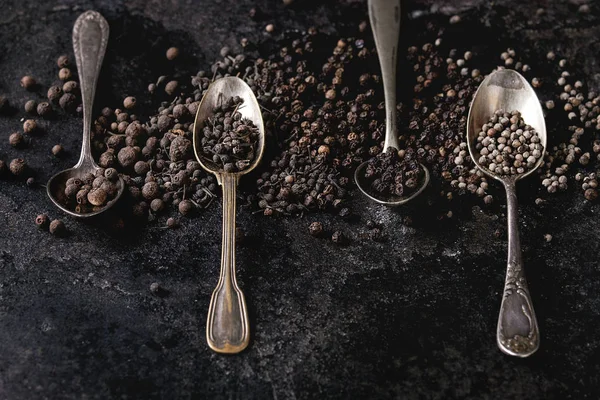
pixel 517 333
pixel 385 22
pixel 227 327
pixel 90 36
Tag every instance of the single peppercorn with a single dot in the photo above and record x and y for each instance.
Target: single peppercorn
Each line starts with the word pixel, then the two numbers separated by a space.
pixel 186 207
pixel 58 228
pixel 155 287
pixel 338 237
pixel 172 53
pixel 16 139
pixel 68 102
pixel 97 197
pixel 30 181
pixel 57 150
pixel 150 190
pixel 30 106
pixel 315 228
pixel 28 82
pixel 64 74
pixel 44 109
pixel 63 61
pixel 171 87
pixel 129 102
pixel 127 157
pixel 29 126
pixel 157 205
pixel 42 222
pixel 172 223
pixel 18 167
pixel 591 194
pixel 54 93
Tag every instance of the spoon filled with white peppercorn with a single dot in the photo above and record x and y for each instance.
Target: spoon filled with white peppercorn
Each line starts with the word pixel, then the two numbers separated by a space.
pixel 506 135
pixel 86 189
pixel 394 177
pixel 229 140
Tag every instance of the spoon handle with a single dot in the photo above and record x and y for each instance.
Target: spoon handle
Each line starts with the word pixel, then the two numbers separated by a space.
pixel 90 37
pixel 385 23
pixel 227 329
pixel 518 333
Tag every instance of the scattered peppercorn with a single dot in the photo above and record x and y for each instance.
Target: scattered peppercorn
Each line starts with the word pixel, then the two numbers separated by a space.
pixel 57 150
pixel 57 228
pixel 29 126
pixel 28 82
pixel 172 53
pixel 315 228
pixel 63 61
pixel 30 106
pixel 18 167
pixel 16 139
pixel 42 222
pixel 129 102
pixel 394 173
pixel 64 74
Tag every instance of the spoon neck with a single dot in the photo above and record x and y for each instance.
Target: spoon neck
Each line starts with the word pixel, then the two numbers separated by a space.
pixel 86 160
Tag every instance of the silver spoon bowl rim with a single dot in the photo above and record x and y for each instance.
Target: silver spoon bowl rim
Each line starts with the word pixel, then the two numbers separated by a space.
pixel 472 151
pixel 108 205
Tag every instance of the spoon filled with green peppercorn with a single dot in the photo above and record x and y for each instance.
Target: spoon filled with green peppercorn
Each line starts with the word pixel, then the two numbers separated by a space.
pixel 394 177
pixel 506 136
pixel 229 140
pixel 86 189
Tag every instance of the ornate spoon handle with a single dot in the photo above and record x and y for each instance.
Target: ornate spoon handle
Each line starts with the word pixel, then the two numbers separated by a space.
pixel 518 333
pixel 227 328
pixel 90 37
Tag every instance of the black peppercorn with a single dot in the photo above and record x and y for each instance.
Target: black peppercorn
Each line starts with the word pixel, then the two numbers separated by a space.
pixel 42 222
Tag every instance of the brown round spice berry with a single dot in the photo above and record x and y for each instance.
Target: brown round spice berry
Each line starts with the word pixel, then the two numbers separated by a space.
pixel 171 87
pixel 28 82
pixel 270 28
pixel 54 93
pixel 141 168
pixel 44 109
pixel 172 223
pixel 30 106
pixel 97 197
pixel 315 228
pixel 81 196
pixel 42 222
pixel 18 167
pixel 127 156
pixel 155 287
pixel 186 207
pixel 338 237
pixel 172 53
pixel 157 205
pixel 68 102
pixel 107 159
pixel 16 139
pixel 57 150
pixel 64 74
pixel 70 87
pixel 57 228
pixel 111 174
pixel 30 181
pixel 150 190
pixel 29 126
pixel 129 102
pixel 591 194
pixel 63 61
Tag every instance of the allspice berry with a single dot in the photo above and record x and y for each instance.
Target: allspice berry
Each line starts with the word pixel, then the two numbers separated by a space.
pixel 57 150
pixel 126 156
pixel 16 139
pixel 270 28
pixel 64 74
pixel 172 223
pixel 157 205
pixel 68 102
pixel 63 61
pixel 171 87
pixel 129 102
pixel 97 197
pixel 57 228
pixel 70 87
pixel 151 190
pixel 172 53
pixel 18 167
pixel 315 228
pixel 44 109
pixel 42 222
pixel 111 174
pixel 28 82
pixel 29 126
pixel 54 93
pixel 186 207
pixel 107 159
pixel 338 237
pixel 141 168
pixel 591 194
pixel 30 106
pixel 155 287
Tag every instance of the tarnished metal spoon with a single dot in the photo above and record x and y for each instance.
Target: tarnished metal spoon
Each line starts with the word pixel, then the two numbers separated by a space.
pixel 227 328
pixel 385 22
pixel 90 36
pixel 517 333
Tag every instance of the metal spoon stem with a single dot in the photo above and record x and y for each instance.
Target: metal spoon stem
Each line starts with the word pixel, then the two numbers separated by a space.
pixel 228 329
pixel 385 23
pixel 517 332
pixel 90 38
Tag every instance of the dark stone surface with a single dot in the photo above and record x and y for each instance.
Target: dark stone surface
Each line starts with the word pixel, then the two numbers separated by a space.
pixel 413 317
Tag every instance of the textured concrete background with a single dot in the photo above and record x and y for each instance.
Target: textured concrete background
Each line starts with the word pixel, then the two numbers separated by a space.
pixel 411 318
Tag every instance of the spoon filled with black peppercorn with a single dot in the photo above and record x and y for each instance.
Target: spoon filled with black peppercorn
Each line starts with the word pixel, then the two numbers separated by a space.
pixel 86 189
pixel 393 177
pixel 229 140
pixel 507 137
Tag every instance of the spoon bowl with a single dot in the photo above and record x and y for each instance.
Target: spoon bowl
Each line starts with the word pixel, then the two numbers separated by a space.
pixel 517 332
pixel 390 201
pixel 90 37
pixel 227 327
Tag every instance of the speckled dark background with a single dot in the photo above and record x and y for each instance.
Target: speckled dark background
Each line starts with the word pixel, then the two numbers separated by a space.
pixel 411 318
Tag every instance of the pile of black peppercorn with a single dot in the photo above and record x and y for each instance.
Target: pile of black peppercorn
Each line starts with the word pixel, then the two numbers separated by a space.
pixel 394 173
pixel 228 139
